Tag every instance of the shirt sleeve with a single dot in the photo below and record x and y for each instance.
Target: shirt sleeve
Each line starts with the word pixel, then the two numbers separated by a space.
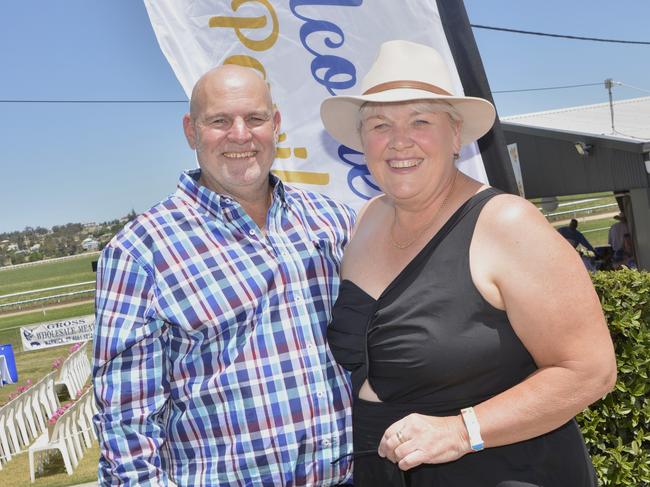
pixel 583 240
pixel 129 373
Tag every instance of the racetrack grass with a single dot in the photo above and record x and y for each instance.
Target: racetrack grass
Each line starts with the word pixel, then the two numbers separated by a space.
pixel 596 231
pixel 47 274
pixel 16 472
pixel 9 332
pixel 35 364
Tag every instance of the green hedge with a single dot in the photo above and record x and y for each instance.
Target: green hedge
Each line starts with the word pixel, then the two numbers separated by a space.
pixel 617 428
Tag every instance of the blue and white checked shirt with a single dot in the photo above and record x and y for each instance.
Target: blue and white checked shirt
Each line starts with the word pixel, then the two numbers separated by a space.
pixel 211 366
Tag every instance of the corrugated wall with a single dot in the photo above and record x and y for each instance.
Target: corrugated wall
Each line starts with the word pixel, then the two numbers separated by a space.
pixel 551 166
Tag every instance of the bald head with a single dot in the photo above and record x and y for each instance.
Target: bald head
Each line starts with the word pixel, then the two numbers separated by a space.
pixel 228 78
pixel 233 127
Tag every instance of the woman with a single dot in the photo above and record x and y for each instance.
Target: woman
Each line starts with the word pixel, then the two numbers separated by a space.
pixel 457 297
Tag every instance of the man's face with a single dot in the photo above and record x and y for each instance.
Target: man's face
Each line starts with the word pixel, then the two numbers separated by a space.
pixel 233 129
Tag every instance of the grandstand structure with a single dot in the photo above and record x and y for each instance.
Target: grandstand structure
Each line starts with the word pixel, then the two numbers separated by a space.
pixel 590 149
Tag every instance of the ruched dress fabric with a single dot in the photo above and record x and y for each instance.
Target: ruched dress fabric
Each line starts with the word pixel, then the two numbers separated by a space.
pixel 431 344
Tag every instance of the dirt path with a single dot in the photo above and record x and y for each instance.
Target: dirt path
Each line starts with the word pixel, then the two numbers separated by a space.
pixel 33 310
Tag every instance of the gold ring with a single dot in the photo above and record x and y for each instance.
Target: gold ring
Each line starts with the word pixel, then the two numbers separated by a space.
pixel 400 437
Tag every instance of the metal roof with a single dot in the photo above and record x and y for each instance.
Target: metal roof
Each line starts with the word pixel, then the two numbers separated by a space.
pixel 631 119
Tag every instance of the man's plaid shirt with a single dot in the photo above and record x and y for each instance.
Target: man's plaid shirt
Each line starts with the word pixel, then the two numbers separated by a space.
pixel 211 366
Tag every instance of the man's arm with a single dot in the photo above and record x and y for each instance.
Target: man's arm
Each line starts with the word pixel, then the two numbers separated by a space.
pixel 585 243
pixel 129 373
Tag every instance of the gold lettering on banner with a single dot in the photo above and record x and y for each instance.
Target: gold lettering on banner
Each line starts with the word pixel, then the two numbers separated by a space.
pixel 247 62
pixel 305 177
pixel 239 23
pixel 285 152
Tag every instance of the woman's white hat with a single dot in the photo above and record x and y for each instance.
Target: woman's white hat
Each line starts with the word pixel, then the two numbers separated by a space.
pixel 405 71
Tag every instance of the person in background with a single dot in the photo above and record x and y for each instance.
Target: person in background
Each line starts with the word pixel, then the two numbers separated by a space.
pixel 472 330
pixel 616 236
pixel 210 361
pixel 575 236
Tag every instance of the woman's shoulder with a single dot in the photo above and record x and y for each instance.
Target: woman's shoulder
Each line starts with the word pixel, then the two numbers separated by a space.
pixel 509 212
pixel 375 209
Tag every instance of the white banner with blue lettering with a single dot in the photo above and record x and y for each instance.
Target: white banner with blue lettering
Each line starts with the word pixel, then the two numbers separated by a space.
pixel 57 333
pixel 307 50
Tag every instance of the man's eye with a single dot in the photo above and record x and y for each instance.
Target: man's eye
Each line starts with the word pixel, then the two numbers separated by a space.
pixel 256 120
pixel 421 121
pixel 379 126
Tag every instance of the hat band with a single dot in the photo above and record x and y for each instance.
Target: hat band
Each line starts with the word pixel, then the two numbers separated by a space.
pixel 417 85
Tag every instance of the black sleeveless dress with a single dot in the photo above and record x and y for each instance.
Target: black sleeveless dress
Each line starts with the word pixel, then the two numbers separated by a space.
pixel 431 344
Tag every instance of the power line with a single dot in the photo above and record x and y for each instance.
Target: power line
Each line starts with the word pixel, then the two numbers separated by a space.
pixel 548 88
pixel 632 87
pixel 523 90
pixel 562 36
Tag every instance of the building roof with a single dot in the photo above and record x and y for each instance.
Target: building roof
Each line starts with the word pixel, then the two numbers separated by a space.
pixel 631 119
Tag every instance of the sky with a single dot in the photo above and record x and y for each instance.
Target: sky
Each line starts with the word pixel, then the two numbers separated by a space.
pixel 76 162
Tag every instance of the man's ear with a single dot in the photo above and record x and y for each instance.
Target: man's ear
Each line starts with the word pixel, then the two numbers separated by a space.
pixel 277 119
pixel 190 132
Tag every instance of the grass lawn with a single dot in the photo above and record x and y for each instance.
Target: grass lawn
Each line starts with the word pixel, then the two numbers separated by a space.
pixel 10 333
pixel 596 231
pixel 47 274
pixel 16 472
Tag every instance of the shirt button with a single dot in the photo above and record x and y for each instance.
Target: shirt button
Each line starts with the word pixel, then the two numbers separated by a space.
pixel 320 394
pixel 298 298
pixel 251 232
pixel 228 200
pixel 326 442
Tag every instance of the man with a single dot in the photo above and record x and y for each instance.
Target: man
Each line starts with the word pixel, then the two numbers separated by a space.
pixel 574 236
pixel 616 236
pixel 210 361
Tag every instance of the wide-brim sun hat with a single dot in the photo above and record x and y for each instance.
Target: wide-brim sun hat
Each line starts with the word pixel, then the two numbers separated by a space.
pixel 405 71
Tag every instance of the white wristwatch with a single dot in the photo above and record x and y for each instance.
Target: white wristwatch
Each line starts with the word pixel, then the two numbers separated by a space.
pixel 473 429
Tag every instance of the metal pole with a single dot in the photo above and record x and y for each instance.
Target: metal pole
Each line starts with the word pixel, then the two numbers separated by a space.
pixel 609 83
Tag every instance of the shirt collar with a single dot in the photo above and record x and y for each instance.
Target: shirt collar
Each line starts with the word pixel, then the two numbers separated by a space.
pixel 189 189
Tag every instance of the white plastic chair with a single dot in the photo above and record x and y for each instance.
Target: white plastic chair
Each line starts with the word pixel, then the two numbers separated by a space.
pixel 28 414
pixel 38 411
pixel 10 424
pixel 85 423
pixel 75 371
pixel 19 419
pixel 62 439
pixel 4 434
pixel 50 394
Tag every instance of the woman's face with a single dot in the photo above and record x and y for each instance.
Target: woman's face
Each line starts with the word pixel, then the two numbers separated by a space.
pixel 409 149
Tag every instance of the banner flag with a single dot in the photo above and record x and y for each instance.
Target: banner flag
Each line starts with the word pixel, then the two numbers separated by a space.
pixel 308 50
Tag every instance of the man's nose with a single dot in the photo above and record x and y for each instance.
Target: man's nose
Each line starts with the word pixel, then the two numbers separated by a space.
pixel 239 131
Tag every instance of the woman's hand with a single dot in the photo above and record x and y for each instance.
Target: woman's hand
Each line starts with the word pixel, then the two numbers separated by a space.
pixel 418 439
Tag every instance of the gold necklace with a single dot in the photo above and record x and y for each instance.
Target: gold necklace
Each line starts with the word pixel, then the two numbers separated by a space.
pixel 408 243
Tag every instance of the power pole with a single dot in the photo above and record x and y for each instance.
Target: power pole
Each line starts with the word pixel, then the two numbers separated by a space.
pixel 609 83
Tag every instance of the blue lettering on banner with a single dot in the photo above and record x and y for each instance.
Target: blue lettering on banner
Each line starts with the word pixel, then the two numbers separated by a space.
pixel 326 67
pixel 334 73
pixel 358 171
